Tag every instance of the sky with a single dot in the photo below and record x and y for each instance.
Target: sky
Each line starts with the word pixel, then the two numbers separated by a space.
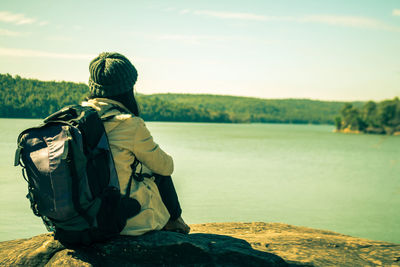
pixel 317 49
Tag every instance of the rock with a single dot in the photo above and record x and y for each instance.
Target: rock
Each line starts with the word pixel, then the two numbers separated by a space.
pixel 302 245
pixel 155 248
pixel 211 244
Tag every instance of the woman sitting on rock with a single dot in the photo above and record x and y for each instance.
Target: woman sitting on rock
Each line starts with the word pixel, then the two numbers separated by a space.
pixel 112 77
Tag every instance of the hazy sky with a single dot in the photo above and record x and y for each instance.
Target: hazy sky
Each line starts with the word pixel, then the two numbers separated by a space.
pixel 329 50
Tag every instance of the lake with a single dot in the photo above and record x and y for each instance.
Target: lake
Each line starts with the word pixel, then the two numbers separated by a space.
pixel 303 175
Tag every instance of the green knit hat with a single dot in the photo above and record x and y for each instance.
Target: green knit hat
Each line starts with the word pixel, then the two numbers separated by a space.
pixel 111 74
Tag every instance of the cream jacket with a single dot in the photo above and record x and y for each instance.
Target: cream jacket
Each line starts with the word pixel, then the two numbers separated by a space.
pixel 129 138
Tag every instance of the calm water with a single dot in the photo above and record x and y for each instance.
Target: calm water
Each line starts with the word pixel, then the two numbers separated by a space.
pixel 297 174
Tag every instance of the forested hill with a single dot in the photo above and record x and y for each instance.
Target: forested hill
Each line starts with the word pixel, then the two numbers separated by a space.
pixel 29 98
pixel 248 109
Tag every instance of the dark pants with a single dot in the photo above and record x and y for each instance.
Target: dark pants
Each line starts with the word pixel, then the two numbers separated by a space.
pixel 168 195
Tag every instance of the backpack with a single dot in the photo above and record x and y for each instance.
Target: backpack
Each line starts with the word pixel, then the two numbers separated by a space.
pixel 72 181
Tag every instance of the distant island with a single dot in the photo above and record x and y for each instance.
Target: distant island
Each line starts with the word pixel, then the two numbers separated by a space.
pixel 376 118
pixel 31 98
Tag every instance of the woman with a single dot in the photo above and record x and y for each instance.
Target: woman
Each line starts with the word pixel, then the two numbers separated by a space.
pixel 112 77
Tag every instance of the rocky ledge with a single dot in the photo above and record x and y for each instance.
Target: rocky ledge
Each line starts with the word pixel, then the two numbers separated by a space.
pixel 212 244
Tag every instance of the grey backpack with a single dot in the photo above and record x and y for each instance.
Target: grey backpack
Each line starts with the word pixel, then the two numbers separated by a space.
pixel 72 181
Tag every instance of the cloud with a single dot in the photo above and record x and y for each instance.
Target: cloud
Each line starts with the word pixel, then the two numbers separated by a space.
pixel 17 19
pixel 350 21
pixel 14 52
pixel 231 15
pixel 189 38
pixel 345 21
pixel 5 32
pixel 184 11
pixel 168 9
pixel 219 40
pixel 396 12
pixel 59 38
pixel 43 23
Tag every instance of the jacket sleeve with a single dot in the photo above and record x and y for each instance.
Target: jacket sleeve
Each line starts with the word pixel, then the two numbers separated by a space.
pixel 149 153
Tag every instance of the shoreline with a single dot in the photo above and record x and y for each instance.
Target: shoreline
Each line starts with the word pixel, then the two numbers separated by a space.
pixel 349 131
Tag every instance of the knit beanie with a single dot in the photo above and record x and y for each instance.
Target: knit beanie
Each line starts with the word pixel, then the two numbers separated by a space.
pixel 111 74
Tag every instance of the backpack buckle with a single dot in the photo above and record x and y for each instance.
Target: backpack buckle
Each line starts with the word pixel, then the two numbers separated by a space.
pixel 138 177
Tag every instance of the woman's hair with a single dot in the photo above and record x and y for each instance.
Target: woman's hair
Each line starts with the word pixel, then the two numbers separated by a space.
pixel 127 99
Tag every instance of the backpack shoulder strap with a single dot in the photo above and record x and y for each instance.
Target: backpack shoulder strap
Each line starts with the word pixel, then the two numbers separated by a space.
pixel 66 113
pixel 113 107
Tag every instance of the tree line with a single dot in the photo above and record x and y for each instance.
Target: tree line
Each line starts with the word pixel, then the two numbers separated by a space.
pixel 249 109
pixel 379 118
pixel 31 98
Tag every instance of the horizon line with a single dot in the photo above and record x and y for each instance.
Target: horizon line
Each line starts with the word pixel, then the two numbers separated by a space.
pixel 244 96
